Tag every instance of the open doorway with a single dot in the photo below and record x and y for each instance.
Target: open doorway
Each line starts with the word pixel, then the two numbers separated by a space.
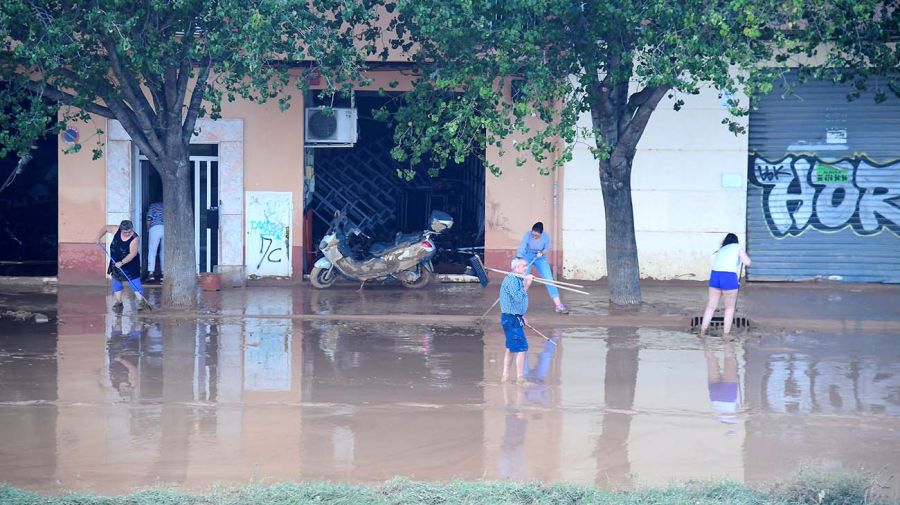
pixel 204 160
pixel 364 178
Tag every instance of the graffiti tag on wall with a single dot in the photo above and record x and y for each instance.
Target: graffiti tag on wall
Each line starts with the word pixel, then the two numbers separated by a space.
pixel 268 240
pixel 801 192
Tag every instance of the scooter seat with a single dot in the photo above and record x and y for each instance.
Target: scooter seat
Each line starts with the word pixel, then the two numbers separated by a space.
pixel 401 240
pixel 380 248
pixel 407 239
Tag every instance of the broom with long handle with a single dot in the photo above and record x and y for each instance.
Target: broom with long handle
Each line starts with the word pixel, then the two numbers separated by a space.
pixel 539 333
pixel 540 281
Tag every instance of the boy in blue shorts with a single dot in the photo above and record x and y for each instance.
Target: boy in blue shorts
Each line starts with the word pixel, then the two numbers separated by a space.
pixel 513 306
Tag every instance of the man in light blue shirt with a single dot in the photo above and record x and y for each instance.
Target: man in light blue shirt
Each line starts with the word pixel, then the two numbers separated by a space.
pixel 534 248
pixel 513 306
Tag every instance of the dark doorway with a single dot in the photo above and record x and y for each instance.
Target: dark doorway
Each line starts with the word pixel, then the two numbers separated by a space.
pixel 364 178
pixel 205 191
pixel 28 212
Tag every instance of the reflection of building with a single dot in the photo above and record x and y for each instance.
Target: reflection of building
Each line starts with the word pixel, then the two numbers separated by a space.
pixel 849 384
pixel 141 403
pixel 29 443
pixel 376 402
pixel 167 401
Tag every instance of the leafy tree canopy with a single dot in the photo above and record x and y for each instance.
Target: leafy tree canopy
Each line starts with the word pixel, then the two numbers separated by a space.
pixel 615 60
pixel 138 62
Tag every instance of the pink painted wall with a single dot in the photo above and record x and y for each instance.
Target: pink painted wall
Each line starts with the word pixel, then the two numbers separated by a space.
pixel 273 156
pixel 82 209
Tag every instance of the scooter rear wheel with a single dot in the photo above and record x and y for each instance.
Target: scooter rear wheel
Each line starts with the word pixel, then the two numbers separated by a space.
pixel 424 279
pixel 322 278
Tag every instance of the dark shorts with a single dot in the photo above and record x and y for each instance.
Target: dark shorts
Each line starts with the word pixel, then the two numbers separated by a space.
pixel 514 329
pixel 726 281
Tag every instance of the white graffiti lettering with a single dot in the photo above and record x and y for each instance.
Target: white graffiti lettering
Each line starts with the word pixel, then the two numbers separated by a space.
pixel 802 191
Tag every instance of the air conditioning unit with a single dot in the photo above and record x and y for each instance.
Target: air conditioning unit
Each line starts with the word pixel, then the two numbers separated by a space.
pixel 330 127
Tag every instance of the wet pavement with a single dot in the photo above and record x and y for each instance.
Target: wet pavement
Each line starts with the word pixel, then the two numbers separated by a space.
pixel 291 384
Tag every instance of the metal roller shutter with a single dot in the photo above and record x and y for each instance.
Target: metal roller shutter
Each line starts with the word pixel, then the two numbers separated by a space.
pixel 823 192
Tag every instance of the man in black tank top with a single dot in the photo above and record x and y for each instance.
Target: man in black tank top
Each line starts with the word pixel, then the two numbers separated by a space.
pixel 125 265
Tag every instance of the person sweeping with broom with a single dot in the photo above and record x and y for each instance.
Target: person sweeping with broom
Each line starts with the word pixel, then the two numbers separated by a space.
pixel 124 261
pixel 513 306
pixel 723 282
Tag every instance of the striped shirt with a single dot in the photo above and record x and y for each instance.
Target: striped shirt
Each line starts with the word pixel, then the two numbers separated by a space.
pixel 155 214
pixel 513 297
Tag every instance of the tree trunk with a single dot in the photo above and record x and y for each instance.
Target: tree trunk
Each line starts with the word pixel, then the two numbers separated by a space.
pixel 623 271
pixel 180 286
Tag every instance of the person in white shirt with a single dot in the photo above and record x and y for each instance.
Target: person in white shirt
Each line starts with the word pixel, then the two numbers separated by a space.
pixel 723 281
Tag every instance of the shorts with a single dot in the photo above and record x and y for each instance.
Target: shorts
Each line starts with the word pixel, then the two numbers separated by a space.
pixel 723 391
pixel 514 329
pixel 726 281
pixel 135 286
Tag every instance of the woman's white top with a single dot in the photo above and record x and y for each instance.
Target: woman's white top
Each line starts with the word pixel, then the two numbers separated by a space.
pixel 728 259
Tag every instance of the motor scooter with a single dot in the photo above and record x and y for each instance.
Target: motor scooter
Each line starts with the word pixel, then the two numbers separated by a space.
pixel 406 259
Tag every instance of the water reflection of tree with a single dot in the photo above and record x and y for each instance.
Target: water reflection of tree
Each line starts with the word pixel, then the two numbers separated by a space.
pixel 611 453
pixel 175 420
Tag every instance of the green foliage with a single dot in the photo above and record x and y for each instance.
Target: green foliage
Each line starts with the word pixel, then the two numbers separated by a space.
pixel 403 491
pixel 158 65
pixel 614 59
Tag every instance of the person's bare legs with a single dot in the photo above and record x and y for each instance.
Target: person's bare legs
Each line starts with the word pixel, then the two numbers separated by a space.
pixel 730 365
pixel 713 374
pixel 714 294
pixel 520 367
pixel 507 362
pixel 730 299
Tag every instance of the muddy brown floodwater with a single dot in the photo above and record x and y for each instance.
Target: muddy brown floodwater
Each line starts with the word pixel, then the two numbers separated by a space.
pixel 123 402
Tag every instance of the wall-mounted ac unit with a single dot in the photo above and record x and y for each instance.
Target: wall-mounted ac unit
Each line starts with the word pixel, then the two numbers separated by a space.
pixel 335 127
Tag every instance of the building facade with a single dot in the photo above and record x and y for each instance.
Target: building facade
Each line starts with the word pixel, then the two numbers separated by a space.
pixel 817 175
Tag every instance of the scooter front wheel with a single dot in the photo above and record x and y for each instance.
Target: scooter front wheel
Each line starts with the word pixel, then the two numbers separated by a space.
pixel 425 276
pixel 322 278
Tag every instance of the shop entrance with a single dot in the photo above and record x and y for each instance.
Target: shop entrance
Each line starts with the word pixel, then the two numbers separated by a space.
pixel 363 179
pixel 205 190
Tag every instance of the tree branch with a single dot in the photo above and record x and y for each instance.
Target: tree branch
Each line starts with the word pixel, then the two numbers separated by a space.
pixel 129 122
pixel 184 73
pixel 638 99
pixel 140 107
pixel 627 145
pixel 184 70
pixel 196 99
pixel 67 98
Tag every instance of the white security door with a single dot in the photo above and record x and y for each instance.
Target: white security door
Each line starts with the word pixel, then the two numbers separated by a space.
pixel 206 212
pixel 268 240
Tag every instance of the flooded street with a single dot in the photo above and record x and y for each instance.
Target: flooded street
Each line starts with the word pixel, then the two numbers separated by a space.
pixel 108 403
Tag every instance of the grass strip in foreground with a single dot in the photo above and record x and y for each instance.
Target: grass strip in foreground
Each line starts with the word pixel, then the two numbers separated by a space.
pixel 846 489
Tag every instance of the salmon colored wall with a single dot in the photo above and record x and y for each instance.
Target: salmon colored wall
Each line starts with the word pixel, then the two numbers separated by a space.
pixel 273 156
pixel 513 202
pixel 82 208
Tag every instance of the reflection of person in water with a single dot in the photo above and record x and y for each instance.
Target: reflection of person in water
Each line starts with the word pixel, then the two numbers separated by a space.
pixel 723 383
pixel 512 449
pixel 124 352
pixel 537 375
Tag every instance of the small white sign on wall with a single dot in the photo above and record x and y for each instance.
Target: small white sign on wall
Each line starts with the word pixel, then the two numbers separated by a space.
pixel 268 240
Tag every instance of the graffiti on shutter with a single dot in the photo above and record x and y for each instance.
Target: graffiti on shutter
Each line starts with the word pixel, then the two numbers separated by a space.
pixel 801 192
